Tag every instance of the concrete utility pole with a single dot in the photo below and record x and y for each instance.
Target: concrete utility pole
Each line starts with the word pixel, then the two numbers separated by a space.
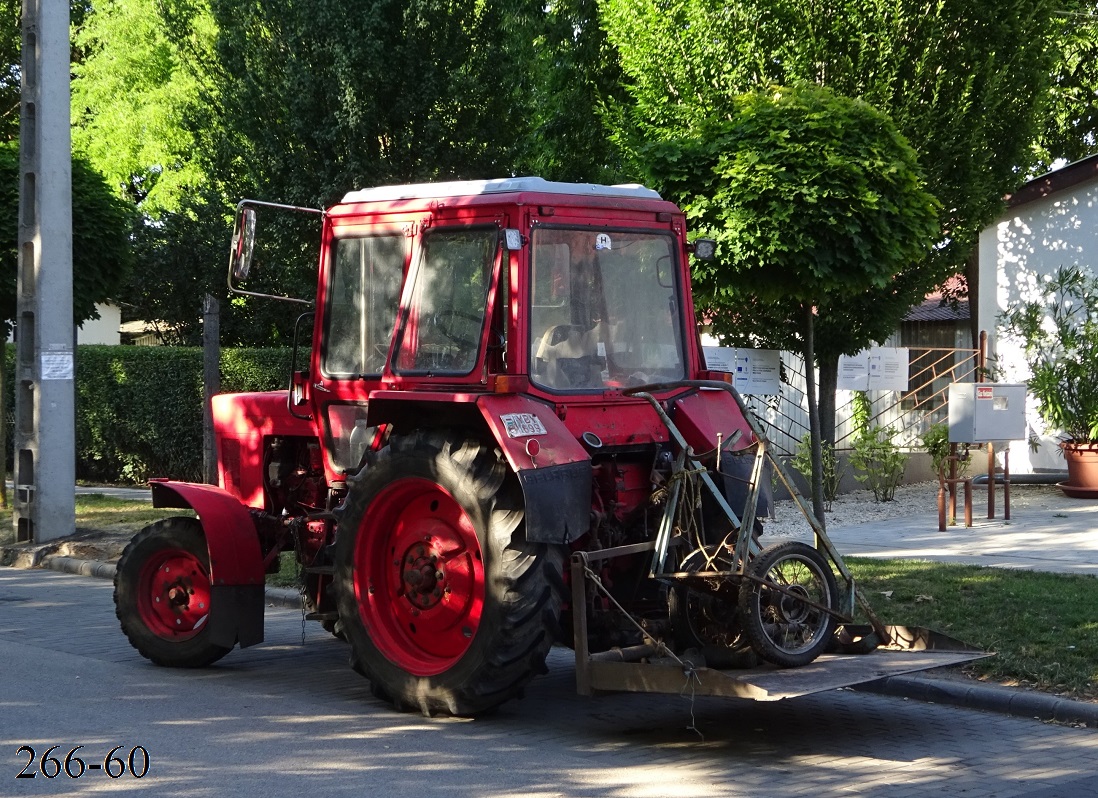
pixel 45 424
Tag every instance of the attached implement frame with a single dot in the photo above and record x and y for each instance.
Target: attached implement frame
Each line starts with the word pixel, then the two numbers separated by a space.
pixel 865 652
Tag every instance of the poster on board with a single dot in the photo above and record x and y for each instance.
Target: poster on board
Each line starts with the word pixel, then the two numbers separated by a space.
pixel 881 368
pixel 755 372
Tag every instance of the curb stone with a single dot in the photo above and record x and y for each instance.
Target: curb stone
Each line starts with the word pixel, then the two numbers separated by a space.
pixel 991 698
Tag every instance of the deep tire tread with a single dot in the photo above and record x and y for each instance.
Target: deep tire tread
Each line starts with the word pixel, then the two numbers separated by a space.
pixel 528 580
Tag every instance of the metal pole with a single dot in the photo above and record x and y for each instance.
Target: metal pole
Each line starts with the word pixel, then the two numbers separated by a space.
pixel 211 383
pixel 45 425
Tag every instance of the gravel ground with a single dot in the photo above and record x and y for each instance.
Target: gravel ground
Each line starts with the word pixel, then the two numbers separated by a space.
pixel 859 507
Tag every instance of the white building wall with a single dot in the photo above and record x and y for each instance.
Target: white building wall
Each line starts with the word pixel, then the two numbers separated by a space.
pixel 104 330
pixel 1026 245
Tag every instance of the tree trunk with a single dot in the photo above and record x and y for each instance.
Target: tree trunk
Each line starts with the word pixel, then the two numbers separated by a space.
pixel 813 413
pixel 829 378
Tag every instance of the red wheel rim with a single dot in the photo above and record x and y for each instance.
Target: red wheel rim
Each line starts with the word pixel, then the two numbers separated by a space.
pixel 419 577
pixel 173 594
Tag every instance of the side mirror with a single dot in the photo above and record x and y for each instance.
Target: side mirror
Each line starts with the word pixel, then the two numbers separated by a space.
pixel 705 248
pixel 240 256
pixel 299 388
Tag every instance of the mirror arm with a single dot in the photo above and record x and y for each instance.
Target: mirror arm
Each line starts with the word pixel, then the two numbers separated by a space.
pixel 241 207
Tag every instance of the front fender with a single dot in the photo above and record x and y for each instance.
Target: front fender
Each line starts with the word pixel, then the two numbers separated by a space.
pixel 236 560
pixel 553 469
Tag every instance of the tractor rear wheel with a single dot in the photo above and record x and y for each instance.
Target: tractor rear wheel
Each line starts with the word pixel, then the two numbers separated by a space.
pixel 162 594
pixel 447 607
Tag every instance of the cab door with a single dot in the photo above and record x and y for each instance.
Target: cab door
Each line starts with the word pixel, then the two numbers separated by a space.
pixel 363 277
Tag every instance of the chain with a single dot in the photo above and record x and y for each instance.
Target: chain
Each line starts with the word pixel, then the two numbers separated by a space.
pixel 303 615
pixel 688 668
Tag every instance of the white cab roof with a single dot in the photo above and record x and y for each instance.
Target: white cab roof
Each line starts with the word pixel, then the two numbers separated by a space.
pixel 462 188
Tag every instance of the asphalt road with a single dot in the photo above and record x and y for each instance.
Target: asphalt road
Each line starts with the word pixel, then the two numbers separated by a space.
pixel 290 719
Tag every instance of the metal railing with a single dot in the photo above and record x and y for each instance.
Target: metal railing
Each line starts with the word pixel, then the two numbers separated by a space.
pixel 908 414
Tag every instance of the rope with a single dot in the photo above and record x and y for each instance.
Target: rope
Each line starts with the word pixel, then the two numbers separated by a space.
pixel 692 679
pixel 688 668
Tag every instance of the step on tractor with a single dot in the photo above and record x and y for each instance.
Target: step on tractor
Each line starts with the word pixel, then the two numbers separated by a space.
pixel 504 436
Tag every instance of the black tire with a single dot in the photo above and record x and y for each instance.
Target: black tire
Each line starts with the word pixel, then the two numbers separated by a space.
pixel 447 607
pixel 702 618
pixel 334 628
pixel 782 629
pixel 161 594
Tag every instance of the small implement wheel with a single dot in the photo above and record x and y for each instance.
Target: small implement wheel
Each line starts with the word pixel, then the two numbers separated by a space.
pixel 162 594
pixel 705 616
pixel 783 628
pixel 447 607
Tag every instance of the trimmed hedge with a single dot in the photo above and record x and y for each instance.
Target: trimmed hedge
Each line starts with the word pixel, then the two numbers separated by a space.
pixel 139 408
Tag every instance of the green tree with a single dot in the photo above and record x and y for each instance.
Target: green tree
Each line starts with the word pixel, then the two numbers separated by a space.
pixel 101 224
pixel 812 197
pixel 295 102
pixel 142 78
pixel 1071 126
pixel 966 81
pixel 573 73
pixel 11 38
pixel 385 91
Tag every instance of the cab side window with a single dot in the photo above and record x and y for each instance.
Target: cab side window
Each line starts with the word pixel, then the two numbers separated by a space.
pixel 363 294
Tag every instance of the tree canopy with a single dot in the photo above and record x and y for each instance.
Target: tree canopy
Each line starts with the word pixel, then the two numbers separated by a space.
pixel 298 103
pixel 101 253
pixel 966 81
pixel 813 198
pixel 138 86
pixel 187 105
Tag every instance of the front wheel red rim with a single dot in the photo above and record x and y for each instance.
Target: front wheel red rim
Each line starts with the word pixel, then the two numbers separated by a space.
pixel 173 594
pixel 419 576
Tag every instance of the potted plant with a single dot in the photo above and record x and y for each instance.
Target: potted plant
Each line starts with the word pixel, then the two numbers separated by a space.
pixel 1059 330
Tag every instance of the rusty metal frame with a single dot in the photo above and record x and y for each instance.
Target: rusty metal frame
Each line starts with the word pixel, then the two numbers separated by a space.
pixel 651 667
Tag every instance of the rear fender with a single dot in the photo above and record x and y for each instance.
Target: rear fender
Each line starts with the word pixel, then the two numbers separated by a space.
pixel 709 418
pixel 236 561
pixel 553 469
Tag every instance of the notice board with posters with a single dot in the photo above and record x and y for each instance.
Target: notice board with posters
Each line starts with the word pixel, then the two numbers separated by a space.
pixel 880 368
pixel 755 372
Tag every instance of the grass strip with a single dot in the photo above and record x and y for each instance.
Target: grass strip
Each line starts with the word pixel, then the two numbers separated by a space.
pixel 1043 627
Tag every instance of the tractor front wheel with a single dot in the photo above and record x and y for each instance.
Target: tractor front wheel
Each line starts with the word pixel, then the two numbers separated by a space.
pixel 447 607
pixel 162 594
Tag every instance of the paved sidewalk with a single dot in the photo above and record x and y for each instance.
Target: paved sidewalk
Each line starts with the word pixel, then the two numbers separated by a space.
pixel 1047 531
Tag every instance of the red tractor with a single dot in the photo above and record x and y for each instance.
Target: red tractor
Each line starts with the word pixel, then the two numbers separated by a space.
pixel 505 436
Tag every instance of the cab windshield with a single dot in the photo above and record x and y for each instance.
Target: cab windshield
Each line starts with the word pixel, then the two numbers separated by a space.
pixel 605 309
pixel 442 330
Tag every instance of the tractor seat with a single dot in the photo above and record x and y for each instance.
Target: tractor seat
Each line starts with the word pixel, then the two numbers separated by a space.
pixel 568 357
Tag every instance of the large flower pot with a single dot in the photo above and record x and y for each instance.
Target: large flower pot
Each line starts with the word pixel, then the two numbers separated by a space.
pixel 1082 466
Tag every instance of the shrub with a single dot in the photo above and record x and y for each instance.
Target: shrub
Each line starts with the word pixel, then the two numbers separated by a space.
pixel 833 469
pixel 880 462
pixel 139 409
